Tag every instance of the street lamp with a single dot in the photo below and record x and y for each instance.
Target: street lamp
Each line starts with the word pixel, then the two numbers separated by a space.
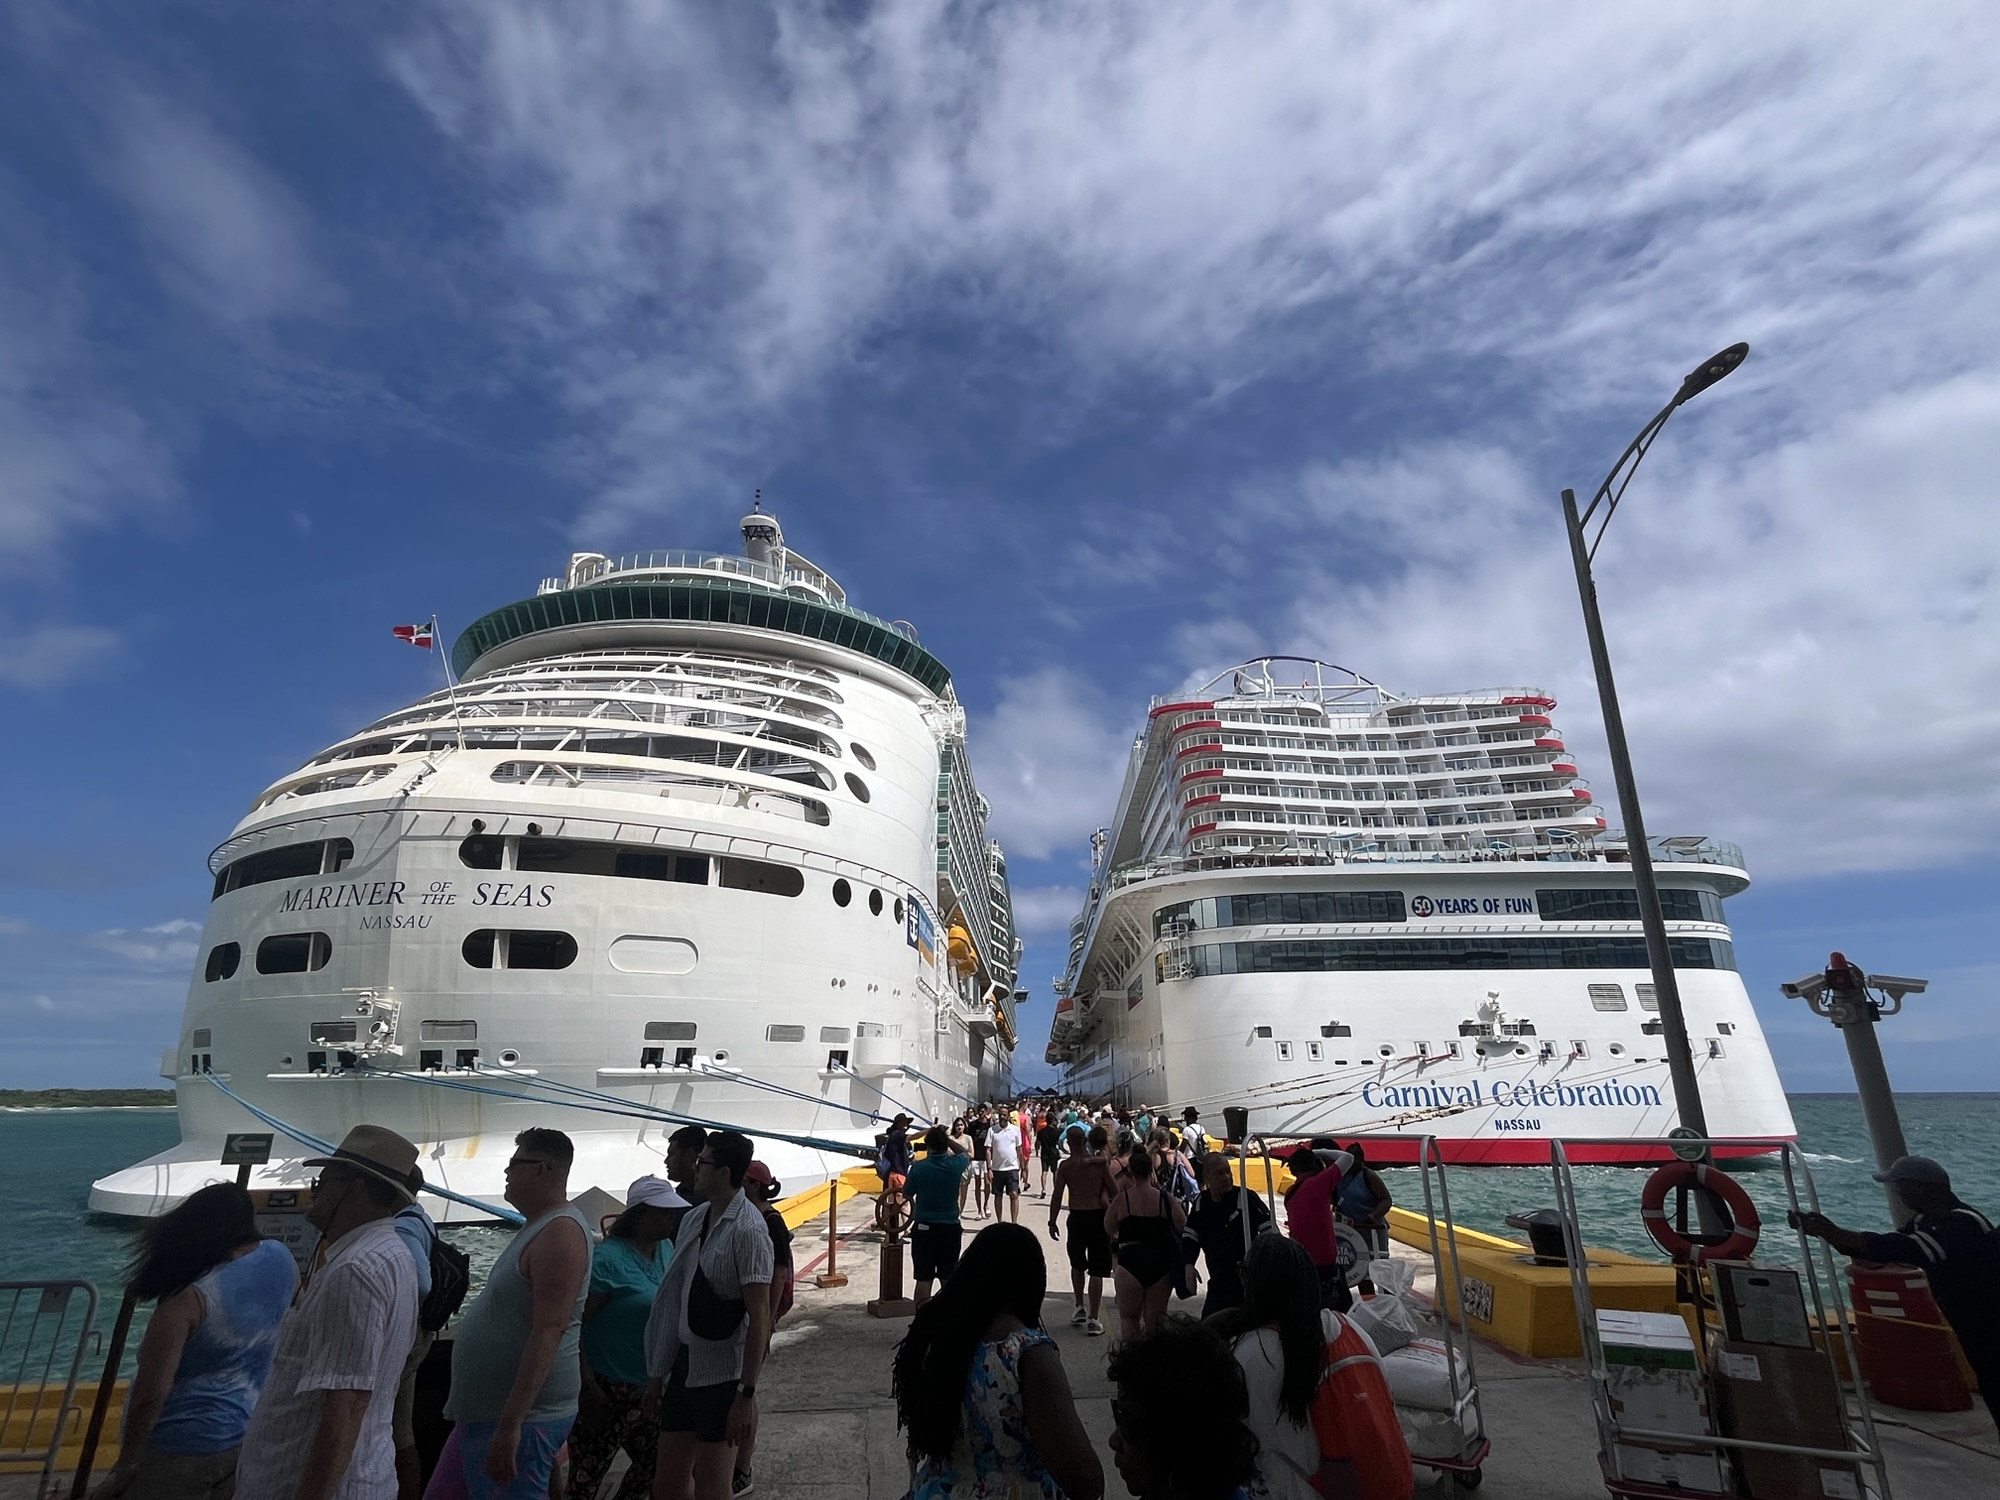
pixel 1673 1024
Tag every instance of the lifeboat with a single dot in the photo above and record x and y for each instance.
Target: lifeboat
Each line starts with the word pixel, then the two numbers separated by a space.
pixel 958 949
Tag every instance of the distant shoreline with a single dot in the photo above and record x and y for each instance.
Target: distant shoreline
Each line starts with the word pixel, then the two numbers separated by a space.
pixel 23 1100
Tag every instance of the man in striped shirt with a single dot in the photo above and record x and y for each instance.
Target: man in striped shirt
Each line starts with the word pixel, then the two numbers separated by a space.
pixel 322 1427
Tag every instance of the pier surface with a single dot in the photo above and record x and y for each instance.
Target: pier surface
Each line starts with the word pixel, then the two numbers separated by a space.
pixel 828 1429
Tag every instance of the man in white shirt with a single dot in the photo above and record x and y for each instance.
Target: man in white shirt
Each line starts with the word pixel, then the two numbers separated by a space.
pixel 1003 1148
pixel 322 1427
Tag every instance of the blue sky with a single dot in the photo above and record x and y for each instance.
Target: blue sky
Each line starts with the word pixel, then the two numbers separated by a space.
pixel 1109 345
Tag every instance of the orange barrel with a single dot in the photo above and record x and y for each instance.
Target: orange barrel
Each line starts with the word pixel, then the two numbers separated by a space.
pixel 1910 1364
pixel 1891 1292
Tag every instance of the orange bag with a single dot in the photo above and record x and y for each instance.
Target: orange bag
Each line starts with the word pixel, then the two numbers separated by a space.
pixel 1355 1422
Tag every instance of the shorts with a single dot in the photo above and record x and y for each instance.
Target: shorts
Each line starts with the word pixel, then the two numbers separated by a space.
pixel 1089 1245
pixel 700 1409
pixel 403 1422
pixel 978 1166
pixel 185 1476
pixel 934 1250
pixel 1006 1182
pixel 461 1468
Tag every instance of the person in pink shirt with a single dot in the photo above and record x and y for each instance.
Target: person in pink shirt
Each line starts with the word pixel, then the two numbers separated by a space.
pixel 1309 1217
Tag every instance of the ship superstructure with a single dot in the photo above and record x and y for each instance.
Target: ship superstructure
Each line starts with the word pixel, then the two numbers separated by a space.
pixel 1361 912
pixel 689 838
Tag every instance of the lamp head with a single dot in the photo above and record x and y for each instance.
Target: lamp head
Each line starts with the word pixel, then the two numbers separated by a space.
pixel 1711 370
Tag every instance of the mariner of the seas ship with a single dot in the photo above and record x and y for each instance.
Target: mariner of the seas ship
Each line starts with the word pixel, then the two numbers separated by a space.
pixel 1361 913
pixel 691 838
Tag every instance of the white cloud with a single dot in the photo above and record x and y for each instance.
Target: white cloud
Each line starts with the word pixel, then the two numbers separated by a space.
pixel 1045 910
pixel 1807 639
pixel 45 655
pixel 230 236
pixel 166 946
pixel 710 216
pixel 1049 757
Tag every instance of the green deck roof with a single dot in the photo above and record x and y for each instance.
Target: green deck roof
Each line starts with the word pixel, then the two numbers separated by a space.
pixel 706 601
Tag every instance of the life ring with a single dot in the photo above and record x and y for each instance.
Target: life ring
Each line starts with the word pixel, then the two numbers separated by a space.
pixel 1682 1174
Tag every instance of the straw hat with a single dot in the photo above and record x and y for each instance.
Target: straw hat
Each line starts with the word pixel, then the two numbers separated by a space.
pixel 379 1152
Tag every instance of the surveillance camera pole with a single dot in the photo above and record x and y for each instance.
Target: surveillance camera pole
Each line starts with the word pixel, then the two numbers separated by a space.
pixel 1842 997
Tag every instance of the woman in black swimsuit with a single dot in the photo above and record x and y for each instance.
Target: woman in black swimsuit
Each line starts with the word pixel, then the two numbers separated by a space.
pixel 1142 1222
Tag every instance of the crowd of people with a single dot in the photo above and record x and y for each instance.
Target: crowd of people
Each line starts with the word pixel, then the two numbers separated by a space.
pixel 650 1336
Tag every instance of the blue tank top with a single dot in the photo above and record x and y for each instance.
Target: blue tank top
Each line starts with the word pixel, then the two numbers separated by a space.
pixel 225 1361
pixel 1354 1199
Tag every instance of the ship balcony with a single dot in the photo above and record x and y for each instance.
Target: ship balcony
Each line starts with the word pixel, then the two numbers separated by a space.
pixel 1193 705
pixel 1538 720
pixel 1209 747
pixel 1188 726
pixel 1199 801
pixel 1563 767
pixel 1206 774
pixel 1548 742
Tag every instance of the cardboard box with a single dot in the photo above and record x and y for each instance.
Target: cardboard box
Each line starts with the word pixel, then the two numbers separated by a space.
pixel 1772 1393
pixel 1687 1471
pixel 1761 1304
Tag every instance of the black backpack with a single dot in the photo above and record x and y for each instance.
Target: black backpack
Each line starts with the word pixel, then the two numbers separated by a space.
pixel 451 1279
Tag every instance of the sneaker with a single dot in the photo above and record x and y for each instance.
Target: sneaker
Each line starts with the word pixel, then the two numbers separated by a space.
pixel 1094 1328
pixel 1078 1318
pixel 740 1483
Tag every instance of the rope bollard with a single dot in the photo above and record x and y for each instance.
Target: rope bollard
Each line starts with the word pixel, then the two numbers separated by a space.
pixel 832 1276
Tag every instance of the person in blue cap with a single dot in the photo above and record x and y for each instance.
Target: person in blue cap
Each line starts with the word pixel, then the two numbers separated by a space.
pixel 1956 1247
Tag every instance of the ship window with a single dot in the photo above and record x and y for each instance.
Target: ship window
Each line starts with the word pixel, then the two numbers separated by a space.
pixel 1714 1047
pixel 670 1031
pixel 315 1062
pixel 1725 1028
pixel 857 786
pixel 1315 1050
pixel 1653 1028
pixel 1284 1052
pixel 1649 998
pixel 203 1037
pixel 659 864
pixel 1327 955
pixel 1273 907
pixel 483 851
pixel 1336 1028
pixel 489 948
pixel 222 961
pixel 652 1057
pixel 465 1057
pixel 451 1031
pixel 289 862
pixel 683 1057
pixel 759 875
pixel 842 893
pixel 1621 904
pixel 430 1059
pixel 836 1060
pixel 784 1033
pixel 1607 997
pixel 861 754
pixel 331 1033
pixel 875 903
pixel 294 953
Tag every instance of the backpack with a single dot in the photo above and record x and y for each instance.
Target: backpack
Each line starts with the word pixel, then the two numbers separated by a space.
pixel 451 1279
pixel 1355 1421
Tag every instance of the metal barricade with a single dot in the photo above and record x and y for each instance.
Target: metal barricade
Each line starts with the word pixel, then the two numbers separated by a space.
pixel 1830 1312
pixel 45 1329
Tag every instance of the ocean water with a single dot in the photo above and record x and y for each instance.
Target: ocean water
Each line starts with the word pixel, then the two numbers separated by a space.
pixel 51 1157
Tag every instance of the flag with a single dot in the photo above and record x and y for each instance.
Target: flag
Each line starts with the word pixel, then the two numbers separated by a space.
pixel 416 635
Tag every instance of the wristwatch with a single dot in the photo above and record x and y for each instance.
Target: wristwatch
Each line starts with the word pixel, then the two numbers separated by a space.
pixel 745 1390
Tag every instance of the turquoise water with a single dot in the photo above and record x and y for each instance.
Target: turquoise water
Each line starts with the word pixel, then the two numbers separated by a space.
pixel 52 1156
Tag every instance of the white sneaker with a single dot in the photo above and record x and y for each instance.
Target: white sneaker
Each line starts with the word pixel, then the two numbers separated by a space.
pixel 1078 1318
pixel 1094 1328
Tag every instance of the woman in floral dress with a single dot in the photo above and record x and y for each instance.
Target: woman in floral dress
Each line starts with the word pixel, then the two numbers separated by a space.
pixel 980 1387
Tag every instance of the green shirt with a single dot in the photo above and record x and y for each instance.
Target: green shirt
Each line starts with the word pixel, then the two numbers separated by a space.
pixel 614 1341
pixel 933 1187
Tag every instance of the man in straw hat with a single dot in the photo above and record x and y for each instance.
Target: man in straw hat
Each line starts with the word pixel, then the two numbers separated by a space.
pixel 321 1429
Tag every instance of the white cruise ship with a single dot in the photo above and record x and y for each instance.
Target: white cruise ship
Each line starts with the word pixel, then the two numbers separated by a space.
pixel 1361 913
pixel 691 839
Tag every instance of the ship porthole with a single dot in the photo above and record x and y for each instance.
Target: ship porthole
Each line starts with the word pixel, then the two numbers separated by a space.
pixel 722 1056
pixel 899 911
pixel 1617 1049
pixel 875 903
pixel 861 754
pixel 842 893
pixel 1386 1051
pixel 510 1057
pixel 857 786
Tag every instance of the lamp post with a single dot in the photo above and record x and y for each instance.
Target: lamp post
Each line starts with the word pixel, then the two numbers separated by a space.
pixel 1659 958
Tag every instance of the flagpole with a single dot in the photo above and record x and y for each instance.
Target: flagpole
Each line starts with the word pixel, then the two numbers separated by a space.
pixel 450 687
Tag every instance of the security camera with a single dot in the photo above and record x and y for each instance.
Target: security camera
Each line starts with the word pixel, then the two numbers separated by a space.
pixel 1896 987
pixel 1808 987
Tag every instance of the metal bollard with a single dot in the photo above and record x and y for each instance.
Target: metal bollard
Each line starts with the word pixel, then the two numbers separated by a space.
pixel 889 1300
pixel 832 1276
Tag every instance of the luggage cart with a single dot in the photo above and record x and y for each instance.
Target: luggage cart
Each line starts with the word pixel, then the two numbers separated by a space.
pixel 1821 1278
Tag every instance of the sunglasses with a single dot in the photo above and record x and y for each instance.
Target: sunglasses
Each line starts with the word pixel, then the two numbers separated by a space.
pixel 515 1163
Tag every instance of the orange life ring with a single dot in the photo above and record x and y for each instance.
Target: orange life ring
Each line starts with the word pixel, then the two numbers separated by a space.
pixel 1681 1174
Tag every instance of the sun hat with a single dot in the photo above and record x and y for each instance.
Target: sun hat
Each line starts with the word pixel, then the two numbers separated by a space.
pixel 379 1152
pixel 1914 1169
pixel 654 1192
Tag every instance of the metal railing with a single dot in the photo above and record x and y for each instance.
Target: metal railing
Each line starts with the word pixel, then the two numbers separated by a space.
pixel 45 1329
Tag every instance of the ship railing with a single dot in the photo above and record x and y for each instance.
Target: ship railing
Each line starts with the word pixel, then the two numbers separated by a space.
pixel 1665 851
pixel 676 560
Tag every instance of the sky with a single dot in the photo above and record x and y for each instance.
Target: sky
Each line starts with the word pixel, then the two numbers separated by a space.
pixel 1111 345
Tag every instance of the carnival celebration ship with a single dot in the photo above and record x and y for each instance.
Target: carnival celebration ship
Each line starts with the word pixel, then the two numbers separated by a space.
pixel 690 839
pixel 1360 913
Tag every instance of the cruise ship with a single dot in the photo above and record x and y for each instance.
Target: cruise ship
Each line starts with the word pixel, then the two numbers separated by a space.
pixel 687 838
pixel 1359 913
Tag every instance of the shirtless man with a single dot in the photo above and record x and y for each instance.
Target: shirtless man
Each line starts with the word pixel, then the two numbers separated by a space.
pixel 1086 1177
